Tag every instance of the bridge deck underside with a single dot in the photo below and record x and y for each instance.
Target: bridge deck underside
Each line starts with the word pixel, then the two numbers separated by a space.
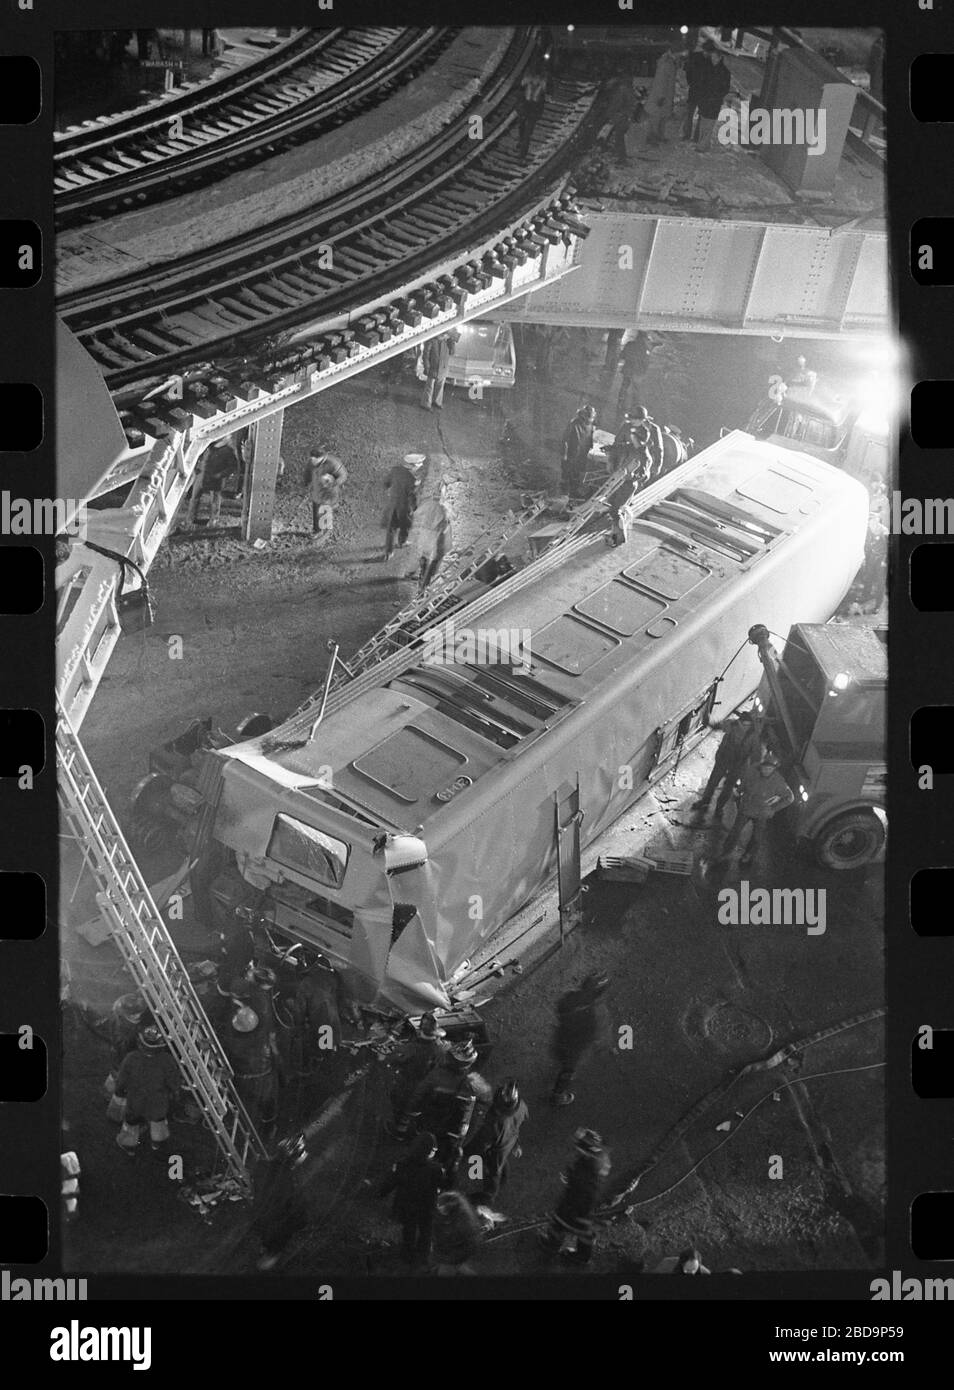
pixel 677 273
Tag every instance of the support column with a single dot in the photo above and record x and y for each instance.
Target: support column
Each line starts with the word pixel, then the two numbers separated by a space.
pixel 261 477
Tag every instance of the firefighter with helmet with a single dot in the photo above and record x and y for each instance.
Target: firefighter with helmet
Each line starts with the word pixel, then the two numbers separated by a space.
pixel 573 1221
pixel 495 1143
pixel 450 1103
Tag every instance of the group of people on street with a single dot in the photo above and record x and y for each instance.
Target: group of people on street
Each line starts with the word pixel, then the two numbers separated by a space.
pixel 708 80
pixel 430 518
pixel 325 476
pixel 461 1132
pixel 747 770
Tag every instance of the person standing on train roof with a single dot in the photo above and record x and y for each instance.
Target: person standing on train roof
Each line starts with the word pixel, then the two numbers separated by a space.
pixel 577 444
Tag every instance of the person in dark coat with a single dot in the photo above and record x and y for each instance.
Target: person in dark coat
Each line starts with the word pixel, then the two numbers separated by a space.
pixel 400 504
pixel 714 83
pixel 531 102
pixel 573 1217
pixel 251 1046
pixel 648 438
pixel 415 1182
pixel 325 476
pixel 763 792
pixel 740 744
pixel 497 1140
pixel 412 1061
pixel 278 1204
pixel 577 443
pixel 696 64
pixel 149 1080
pixel 437 354
pixel 451 1103
pixel 315 1007
pixel 581 1023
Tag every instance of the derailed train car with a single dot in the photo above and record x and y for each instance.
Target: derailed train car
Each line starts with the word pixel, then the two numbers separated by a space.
pixel 421 815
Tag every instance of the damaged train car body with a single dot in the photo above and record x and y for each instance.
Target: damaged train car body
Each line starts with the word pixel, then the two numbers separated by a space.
pixel 421 815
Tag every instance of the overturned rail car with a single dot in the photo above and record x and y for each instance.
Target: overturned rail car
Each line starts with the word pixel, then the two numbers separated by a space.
pixel 424 811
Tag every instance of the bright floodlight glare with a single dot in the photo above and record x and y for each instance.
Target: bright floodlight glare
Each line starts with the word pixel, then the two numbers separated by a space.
pixel 882 381
pixel 841 681
pixel 570 28
pixel 684 28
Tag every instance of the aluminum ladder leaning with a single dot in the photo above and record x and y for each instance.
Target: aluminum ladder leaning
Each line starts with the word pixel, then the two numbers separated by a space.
pixel 151 958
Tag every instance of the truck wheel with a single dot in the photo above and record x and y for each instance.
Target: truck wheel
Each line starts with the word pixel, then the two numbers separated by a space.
pixel 850 841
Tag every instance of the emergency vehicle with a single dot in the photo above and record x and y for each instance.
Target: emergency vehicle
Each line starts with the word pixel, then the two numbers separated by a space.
pixel 823 702
pixel 827 426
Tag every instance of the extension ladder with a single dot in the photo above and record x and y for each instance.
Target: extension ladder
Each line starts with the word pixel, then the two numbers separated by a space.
pixel 151 958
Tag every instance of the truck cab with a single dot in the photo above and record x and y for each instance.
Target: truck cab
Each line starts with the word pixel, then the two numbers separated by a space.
pixel 828 426
pixel 823 705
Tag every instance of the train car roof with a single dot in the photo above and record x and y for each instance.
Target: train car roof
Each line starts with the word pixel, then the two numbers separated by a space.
pixel 397 754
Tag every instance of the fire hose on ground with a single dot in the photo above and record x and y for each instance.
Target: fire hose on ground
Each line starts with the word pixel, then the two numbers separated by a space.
pixel 620 1205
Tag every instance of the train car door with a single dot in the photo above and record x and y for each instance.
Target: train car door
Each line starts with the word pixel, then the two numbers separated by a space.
pixel 569 816
pixel 673 736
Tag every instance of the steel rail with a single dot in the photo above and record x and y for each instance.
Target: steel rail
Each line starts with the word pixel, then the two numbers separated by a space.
pixel 155 161
pixel 453 189
pixel 348 207
pixel 274 59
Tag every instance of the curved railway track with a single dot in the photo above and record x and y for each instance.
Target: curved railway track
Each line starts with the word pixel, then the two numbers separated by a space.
pixel 309 86
pixel 376 238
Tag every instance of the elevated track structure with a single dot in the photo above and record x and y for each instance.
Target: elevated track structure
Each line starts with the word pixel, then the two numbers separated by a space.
pixel 317 269
pixel 299 90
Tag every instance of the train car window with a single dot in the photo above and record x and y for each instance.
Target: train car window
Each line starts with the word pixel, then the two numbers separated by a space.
pixel 525 688
pixel 701 530
pixel 666 573
pixel 620 608
pixel 310 851
pixel 747 522
pixel 410 764
pixel 571 645
pixel 775 490
pixel 504 687
pixel 478 721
